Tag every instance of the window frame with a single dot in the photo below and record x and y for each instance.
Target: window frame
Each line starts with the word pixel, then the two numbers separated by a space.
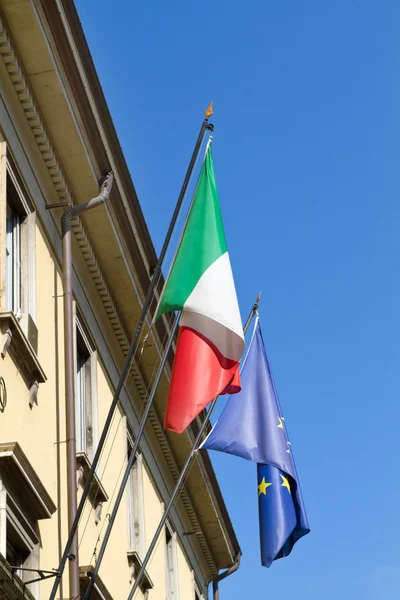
pixel 135 499
pixel 18 290
pixel 24 541
pixel 24 502
pixel 171 563
pixel 86 400
pixel 13 260
pixel 197 595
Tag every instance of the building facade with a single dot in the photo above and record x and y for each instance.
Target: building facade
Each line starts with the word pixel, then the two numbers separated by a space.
pixel 56 142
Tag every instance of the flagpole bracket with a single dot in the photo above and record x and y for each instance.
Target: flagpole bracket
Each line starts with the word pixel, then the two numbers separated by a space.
pixel 210 126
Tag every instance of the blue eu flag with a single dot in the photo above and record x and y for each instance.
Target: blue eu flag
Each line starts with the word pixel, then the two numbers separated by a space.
pixel 252 426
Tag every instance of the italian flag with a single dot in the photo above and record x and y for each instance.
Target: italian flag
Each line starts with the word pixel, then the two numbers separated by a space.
pixel 210 339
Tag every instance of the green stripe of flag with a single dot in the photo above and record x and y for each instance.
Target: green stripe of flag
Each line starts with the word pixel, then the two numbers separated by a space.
pixel 202 243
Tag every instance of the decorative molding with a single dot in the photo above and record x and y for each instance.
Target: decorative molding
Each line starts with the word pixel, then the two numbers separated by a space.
pixel 100 592
pixel 135 563
pixel 6 339
pixel 97 493
pixel 32 114
pixel 33 392
pixel 44 143
pixel 15 464
pixel 15 341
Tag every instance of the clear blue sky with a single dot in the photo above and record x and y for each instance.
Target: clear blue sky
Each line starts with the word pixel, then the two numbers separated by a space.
pixel 307 152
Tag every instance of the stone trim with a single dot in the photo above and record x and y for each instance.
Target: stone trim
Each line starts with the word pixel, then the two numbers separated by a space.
pixel 15 464
pixel 97 494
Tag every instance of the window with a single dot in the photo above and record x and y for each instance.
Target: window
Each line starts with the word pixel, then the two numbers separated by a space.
pixel 18 275
pixel 23 502
pixel 86 392
pixel 135 501
pixel 13 260
pixel 133 526
pixel 82 372
pixel 22 544
pixel 21 547
pixel 171 564
pixel 20 249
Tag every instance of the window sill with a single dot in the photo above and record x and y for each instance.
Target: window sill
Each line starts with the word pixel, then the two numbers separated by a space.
pixel 15 466
pixel 100 591
pixel 14 340
pixel 97 494
pixel 135 563
pixel 11 585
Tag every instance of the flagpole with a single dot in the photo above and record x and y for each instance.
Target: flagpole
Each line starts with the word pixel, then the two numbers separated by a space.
pixel 184 472
pixel 131 352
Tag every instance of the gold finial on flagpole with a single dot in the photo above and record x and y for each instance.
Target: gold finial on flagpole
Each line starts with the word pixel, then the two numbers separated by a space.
pixel 209 110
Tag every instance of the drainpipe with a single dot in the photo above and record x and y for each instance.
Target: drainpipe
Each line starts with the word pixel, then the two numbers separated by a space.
pixel 226 573
pixel 69 214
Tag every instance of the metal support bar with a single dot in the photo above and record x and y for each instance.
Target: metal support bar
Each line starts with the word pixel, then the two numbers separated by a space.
pixel 41 572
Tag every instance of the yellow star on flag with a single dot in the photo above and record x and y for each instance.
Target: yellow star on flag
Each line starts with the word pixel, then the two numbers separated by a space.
pixel 285 483
pixel 280 426
pixel 262 488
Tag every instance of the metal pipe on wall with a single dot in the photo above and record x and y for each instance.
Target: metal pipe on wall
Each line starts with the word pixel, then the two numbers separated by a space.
pixel 69 369
pixel 223 575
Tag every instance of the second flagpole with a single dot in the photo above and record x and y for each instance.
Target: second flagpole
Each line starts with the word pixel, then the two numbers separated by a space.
pixel 131 352
pixel 183 474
